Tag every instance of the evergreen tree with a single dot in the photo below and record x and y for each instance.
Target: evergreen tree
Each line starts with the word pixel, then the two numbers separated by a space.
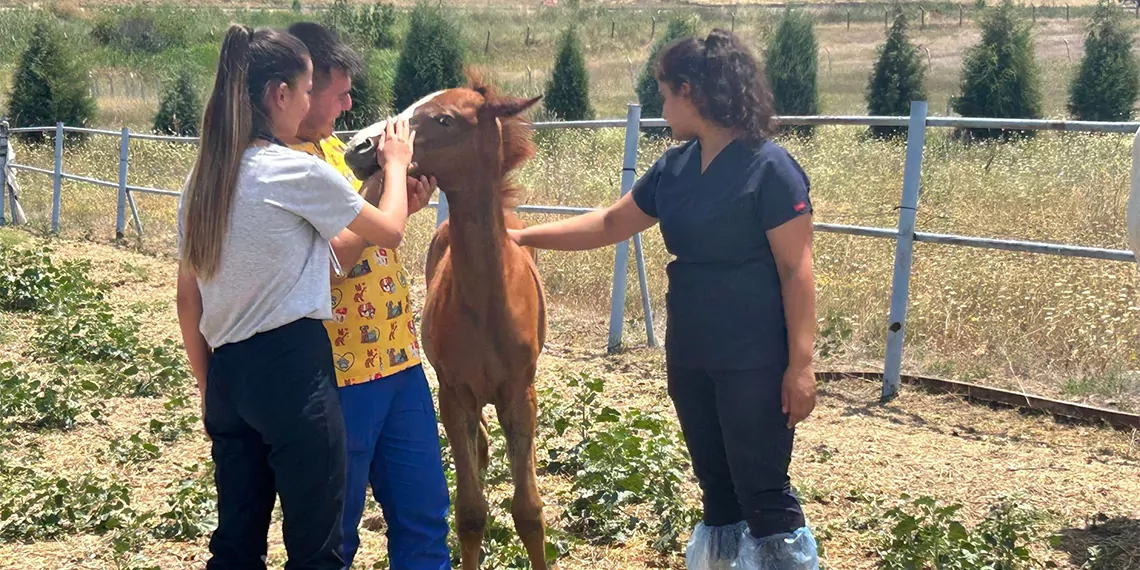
pixel 49 86
pixel 791 63
pixel 1108 82
pixel 180 111
pixel 568 91
pixel 647 94
pixel 1000 77
pixel 432 58
pixel 897 79
pixel 297 6
pixel 382 23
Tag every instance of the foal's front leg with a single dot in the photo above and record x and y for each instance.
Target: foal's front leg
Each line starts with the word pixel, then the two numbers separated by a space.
pixel 461 422
pixel 520 420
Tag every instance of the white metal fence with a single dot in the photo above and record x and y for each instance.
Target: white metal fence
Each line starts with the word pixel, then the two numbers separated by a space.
pixel 905 234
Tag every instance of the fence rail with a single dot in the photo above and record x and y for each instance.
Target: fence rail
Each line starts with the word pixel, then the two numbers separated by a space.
pixel 905 234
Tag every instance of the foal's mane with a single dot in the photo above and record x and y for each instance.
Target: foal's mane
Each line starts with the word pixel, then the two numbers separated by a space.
pixel 517 137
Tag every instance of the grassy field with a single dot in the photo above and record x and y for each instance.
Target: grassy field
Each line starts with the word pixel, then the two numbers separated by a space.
pixel 855 459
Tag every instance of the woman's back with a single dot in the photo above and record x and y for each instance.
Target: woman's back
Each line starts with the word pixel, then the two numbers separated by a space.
pixel 274 266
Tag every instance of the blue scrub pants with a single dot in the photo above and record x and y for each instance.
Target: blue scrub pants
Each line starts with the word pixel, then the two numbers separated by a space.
pixel 393 445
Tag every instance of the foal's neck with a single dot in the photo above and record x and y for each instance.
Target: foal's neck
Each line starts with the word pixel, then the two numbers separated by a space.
pixel 478 237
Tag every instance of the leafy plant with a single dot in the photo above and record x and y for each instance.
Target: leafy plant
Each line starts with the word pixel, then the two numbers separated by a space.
pixel 173 423
pixel 37 507
pixel 155 370
pixel 925 534
pixel 31 281
pixel 87 334
pixel 192 507
pixel 621 461
pixel 54 404
pixel 134 450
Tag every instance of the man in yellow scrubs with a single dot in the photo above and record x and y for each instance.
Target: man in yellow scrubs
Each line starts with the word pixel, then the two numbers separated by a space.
pixel 393 441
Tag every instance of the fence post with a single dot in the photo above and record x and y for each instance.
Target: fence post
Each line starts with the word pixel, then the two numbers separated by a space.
pixel 135 213
pixel 441 209
pixel 4 172
pixel 121 212
pixel 904 248
pixel 621 254
pixel 646 304
pixel 57 178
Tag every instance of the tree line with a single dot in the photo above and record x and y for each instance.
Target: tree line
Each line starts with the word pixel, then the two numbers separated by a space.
pixel 1000 76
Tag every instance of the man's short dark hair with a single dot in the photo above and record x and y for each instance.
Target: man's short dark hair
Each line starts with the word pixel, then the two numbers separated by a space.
pixel 327 51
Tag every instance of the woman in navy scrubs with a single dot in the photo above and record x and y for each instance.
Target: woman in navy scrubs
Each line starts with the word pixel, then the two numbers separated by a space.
pixel 734 211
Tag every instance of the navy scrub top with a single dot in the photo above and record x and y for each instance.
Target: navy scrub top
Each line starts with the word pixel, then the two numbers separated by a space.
pixel 724 302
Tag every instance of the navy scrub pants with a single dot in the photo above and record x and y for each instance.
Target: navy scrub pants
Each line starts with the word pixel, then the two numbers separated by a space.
pixel 740 445
pixel 274 419
pixel 393 446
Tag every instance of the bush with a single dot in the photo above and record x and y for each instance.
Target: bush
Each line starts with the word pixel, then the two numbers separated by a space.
pixel 366 27
pixel 139 30
pixel 180 111
pixel 897 79
pixel 1107 84
pixel 568 91
pixel 648 96
pixel 49 86
pixel 381 20
pixel 371 93
pixel 999 75
pixel 432 58
pixel 791 63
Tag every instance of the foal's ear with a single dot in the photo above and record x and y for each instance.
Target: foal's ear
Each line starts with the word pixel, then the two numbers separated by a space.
pixel 508 106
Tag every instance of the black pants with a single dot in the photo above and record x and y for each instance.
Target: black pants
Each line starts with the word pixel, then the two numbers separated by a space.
pixel 740 444
pixel 273 415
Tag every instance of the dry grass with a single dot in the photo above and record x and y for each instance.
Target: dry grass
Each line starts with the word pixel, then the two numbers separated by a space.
pixel 850 453
pixel 1057 327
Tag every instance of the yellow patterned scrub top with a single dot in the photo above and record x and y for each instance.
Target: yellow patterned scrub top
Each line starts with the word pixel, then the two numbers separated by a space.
pixel 372 332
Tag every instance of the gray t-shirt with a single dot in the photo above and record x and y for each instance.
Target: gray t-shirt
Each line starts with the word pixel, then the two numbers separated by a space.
pixel 275 260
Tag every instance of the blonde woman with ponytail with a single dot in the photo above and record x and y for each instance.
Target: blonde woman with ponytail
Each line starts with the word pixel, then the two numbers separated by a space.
pixel 255 223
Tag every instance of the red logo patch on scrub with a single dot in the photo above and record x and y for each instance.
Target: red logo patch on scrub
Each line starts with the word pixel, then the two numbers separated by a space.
pixel 800 207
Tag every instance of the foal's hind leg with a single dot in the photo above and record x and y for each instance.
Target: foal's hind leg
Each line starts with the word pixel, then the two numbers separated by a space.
pixel 461 422
pixel 484 444
pixel 519 419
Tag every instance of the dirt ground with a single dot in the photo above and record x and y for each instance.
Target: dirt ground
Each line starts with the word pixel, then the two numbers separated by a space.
pixel 850 452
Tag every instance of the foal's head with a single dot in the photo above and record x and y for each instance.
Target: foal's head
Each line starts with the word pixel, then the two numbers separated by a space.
pixel 463 135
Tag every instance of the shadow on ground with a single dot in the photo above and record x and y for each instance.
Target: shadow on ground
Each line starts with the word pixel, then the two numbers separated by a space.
pixel 1104 544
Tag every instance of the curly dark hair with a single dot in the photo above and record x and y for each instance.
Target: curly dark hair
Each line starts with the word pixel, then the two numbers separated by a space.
pixel 726 84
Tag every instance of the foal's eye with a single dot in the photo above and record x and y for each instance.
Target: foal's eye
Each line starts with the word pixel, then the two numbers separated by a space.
pixel 445 120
